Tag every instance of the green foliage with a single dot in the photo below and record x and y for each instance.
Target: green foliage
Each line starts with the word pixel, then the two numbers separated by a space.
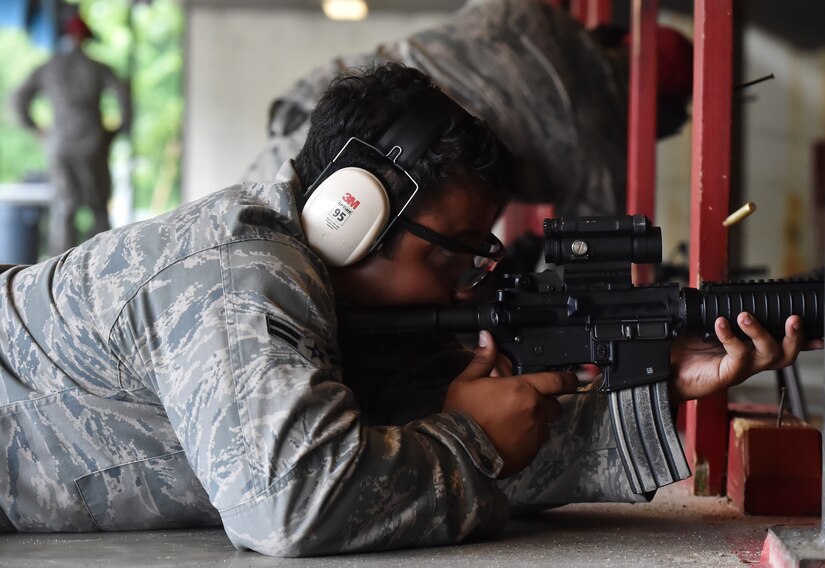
pixel 159 113
pixel 142 43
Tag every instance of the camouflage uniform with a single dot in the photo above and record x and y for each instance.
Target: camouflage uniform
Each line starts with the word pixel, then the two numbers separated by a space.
pixel 185 371
pixel 553 95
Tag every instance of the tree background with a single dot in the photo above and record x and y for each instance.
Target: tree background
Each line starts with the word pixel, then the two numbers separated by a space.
pixel 142 42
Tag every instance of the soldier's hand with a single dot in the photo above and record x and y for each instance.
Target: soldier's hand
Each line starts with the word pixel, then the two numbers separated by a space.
pixel 701 368
pixel 514 411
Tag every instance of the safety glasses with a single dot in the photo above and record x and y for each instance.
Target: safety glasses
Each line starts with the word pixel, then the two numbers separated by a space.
pixel 460 266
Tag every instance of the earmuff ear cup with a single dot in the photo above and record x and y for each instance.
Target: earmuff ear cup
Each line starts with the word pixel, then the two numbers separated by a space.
pixel 344 216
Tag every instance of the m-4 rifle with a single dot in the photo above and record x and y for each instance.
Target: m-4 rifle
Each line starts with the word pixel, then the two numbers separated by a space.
pixel 588 311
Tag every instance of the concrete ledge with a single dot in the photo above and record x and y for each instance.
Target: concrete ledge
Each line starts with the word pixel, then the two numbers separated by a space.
pixel 793 547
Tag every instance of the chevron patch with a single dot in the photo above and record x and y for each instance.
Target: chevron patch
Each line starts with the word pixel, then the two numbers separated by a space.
pixel 306 346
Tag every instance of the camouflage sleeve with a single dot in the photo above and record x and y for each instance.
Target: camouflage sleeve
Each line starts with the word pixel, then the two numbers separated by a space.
pixel 578 464
pixel 239 343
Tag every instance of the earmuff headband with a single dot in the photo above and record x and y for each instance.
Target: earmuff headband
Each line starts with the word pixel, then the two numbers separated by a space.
pixel 417 128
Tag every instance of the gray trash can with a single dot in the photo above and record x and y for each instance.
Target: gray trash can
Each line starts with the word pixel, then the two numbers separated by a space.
pixel 22 205
pixel 19 233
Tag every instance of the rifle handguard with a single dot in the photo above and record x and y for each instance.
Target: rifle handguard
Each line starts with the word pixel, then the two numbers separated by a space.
pixel 770 302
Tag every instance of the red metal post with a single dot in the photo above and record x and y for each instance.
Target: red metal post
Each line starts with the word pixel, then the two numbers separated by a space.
pixel 521 218
pixel 592 13
pixel 599 12
pixel 706 425
pixel 641 132
pixel 578 9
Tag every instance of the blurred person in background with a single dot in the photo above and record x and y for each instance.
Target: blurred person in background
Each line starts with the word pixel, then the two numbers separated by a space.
pixel 555 92
pixel 77 142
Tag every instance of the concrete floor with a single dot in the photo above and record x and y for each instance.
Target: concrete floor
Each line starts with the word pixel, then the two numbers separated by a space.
pixel 676 529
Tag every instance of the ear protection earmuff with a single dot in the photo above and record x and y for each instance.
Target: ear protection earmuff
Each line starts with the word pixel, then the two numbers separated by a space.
pixel 348 212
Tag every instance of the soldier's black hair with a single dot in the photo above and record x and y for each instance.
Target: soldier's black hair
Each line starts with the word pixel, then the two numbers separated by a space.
pixel 365 102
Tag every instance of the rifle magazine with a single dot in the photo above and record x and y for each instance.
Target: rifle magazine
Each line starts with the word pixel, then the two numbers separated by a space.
pixel 646 437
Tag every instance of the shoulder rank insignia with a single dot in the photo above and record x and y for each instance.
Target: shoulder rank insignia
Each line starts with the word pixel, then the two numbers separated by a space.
pixel 307 346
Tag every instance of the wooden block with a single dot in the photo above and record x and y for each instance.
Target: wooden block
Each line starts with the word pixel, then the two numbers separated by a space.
pixel 774 470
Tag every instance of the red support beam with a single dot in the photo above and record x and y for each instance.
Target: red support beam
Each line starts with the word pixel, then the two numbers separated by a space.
pixel 599 12
pixel 521 218
pixel 641 132
pixel 707 419
pixel 578 9
pixel 592 13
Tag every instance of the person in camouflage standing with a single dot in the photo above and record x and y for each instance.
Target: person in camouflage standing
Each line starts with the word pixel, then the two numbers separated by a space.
pixel 186 370
pixel 77 144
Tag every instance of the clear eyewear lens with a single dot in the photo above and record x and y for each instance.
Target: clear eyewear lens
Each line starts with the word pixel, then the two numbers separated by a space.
pixel 462 279
pixel 458 265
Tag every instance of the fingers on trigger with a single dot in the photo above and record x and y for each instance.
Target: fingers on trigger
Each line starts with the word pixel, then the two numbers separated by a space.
pixel 571 381
pixel 551 383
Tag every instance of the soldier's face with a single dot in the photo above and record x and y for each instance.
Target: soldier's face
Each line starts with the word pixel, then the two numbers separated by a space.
pixel 416 271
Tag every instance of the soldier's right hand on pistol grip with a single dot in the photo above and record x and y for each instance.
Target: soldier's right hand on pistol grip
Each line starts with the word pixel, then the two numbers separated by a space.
pixel 515 412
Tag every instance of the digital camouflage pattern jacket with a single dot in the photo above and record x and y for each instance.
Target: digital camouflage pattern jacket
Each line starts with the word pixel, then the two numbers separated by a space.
pixel 185 371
